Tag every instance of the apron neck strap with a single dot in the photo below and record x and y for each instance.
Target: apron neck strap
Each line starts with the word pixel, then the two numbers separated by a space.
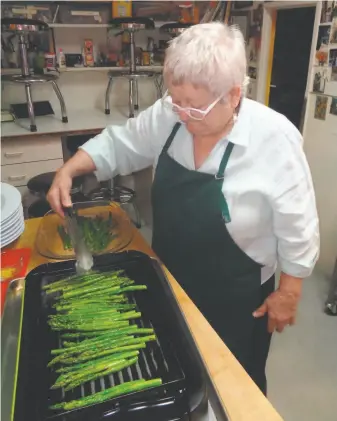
pixel 223 164
pixel 171 137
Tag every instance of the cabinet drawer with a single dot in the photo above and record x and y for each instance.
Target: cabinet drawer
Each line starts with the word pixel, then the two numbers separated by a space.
pixel 20 174
pixel 41 148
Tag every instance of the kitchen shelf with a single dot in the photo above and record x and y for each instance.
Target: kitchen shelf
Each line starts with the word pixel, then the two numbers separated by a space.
pixel 10 71
pixel 157 25
pixel 322 94
pixel 98 69
pixel 79 25
pixel 87 69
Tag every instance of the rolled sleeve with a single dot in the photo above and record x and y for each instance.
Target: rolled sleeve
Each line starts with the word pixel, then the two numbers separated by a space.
pixel 98 148
pixel 131 147
pixel 295 220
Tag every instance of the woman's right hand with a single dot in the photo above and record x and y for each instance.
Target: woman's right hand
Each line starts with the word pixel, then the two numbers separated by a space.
pixel 59 193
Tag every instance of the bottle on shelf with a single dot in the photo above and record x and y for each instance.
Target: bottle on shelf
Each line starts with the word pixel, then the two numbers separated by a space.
pixel 88 53
pixel 61 59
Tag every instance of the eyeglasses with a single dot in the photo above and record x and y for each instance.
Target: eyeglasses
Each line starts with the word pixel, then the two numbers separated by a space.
pixel 193 113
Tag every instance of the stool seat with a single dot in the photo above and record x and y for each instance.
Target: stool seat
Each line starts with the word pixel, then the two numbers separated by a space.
pixel 40 184
pixel 132 23
pixel 129 75
pixel 174 28
pixel 22 28
pixel 119 194
pixel 23 25
pixel 30 78
pixel 38 209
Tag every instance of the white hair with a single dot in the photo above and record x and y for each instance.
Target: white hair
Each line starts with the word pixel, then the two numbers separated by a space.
pixel 211 55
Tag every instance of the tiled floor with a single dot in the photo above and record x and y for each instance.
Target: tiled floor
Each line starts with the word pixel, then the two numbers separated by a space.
pixel 302 365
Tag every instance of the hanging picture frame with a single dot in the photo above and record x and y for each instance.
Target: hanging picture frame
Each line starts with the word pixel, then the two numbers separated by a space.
pixel 320 79
pixel 323 36
pixel 329 11
pixel 333 77
pixel 321 107
pixel 333 32
pixel 333 106
pixel 333 57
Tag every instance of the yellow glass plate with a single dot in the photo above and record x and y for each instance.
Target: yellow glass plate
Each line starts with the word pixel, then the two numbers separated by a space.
pixel 49 243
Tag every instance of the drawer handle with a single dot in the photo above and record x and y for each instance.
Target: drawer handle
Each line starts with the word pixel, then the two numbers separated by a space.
pixel 16 177
pixel 13 154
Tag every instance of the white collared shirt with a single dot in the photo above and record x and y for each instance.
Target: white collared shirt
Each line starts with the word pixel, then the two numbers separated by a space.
pixel 267 185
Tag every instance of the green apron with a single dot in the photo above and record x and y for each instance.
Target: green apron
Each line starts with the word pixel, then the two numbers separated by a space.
pixel 190 237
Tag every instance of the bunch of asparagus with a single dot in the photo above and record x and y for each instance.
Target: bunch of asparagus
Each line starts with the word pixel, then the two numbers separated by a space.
pixel 97 232
pixel 93 315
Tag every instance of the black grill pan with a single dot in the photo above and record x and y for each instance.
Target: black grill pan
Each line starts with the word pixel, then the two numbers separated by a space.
pixel 172 357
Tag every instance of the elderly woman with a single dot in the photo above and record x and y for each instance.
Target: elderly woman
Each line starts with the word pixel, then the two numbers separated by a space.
pixel 232 193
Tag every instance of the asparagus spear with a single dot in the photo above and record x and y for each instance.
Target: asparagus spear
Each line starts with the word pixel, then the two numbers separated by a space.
pixel 98 354
pixel 111 368
pixel 95 309
pixel 110 393
pixel 95 351
pixel 70 279
pixel 80 366
pixel 129 329
pixel 72 379
pixel 99 344
pixel 98 232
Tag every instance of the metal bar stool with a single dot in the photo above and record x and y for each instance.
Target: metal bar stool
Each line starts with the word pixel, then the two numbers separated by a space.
pixel 331 302
pixel 131 25
pixel 174 28
pixel 22 27
pixel 108 191
pixel 39 186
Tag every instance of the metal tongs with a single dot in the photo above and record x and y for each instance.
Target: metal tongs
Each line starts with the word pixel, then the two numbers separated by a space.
pixel 84 259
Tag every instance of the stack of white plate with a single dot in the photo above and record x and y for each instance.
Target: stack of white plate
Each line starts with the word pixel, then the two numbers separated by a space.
pixel 12 219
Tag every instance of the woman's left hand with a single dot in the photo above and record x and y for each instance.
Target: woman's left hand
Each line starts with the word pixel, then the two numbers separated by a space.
pixel 282 304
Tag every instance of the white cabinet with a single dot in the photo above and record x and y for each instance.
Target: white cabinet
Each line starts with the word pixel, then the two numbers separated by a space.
pixel 30 149
pixel 20 174
pixel 27 156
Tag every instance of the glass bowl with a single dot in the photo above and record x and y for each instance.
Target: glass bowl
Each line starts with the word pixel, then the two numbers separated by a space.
pixel 50 244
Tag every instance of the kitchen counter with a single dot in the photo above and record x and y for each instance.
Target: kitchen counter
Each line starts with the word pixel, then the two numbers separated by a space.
pixel 78 121
pixel 238 395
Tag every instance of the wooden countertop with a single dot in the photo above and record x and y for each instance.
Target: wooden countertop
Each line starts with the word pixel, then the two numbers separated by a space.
pixel 241 399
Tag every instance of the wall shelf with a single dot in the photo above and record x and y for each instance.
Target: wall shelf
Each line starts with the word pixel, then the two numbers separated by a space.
pixel 100 69
pixel 88 69
pixel 80 25
pixel 322 94
pixel 157 25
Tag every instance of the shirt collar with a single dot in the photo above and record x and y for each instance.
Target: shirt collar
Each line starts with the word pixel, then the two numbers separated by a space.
pixel 240 134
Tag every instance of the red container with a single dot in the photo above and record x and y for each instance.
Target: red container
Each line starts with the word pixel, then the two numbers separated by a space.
pixel 13 265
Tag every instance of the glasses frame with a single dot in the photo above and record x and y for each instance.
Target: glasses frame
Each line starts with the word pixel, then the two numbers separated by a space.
pixel 187 110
